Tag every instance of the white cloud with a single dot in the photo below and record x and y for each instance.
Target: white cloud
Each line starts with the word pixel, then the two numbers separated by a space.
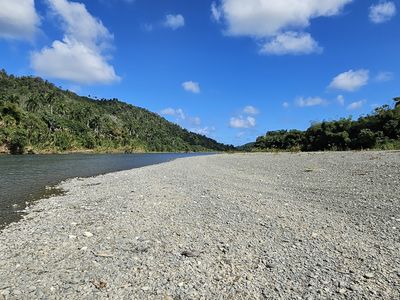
pixel 251 110
pixel 285 104
pixel 241 122
pixel 384 76
pixel 351 80
pixel 174 21
pixel 204 130
pixel 74 61
pixel 291 43
pixel 178 113
pixel 382 12
pixel 268 19
pixel 340 99
pixel 310 101
pixel 80 25
pixel 18 19
pixel 147 27
pixel 196 121
pixel 79 57
pixel 356 105
pixel 216 13
pixel 191 86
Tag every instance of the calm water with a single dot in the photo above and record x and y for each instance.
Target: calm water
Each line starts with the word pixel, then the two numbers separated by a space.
pixel 24 178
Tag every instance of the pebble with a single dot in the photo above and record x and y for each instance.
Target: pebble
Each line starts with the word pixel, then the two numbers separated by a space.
pixel 270 265
pixel 190 253
pixel 369 275
pixel 181 249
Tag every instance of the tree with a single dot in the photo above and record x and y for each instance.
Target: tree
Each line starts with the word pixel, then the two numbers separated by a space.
pixel 397 102
pixel 18 142
pixel 14 99
pixel 366 139
pixel 32 104
pixel 51 99
pixel 12 110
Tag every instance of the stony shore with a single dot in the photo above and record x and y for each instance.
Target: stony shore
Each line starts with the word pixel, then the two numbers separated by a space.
pixel 228 226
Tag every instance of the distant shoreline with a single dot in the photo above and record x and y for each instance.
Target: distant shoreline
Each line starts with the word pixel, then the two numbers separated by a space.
pixel 88 151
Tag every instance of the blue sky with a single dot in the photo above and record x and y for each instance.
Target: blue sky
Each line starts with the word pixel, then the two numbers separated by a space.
pixel 230 69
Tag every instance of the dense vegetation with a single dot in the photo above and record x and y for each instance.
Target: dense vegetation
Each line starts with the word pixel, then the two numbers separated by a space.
pixel 381 129
pixel 36 116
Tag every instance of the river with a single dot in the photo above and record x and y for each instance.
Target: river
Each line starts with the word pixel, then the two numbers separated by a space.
pixel 24 179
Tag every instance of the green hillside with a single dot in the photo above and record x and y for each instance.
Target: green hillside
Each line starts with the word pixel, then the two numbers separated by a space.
pixel 378 130
pixel 36 116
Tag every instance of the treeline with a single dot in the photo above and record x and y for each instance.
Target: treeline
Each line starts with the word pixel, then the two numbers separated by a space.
pixel 36 116
pixel 380 129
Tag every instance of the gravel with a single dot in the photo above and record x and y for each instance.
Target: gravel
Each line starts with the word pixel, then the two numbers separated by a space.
pixel 229 226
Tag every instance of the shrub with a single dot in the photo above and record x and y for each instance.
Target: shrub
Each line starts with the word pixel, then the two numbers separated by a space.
pixel 17 142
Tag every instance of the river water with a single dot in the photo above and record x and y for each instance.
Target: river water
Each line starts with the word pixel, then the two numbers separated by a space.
pixel 24 179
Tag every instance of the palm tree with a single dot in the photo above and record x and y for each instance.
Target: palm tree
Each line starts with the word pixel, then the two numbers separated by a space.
pixel 397 100
pixel 50 100
pixel 95 124
pixel 13 99
pixel 61 108
pixel 32 104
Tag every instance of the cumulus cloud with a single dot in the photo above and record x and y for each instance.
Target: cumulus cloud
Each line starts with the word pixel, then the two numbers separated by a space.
pixel 340 99
pixel 79 56
pixel 356 105
pixel 384 76
pixel 204 130
pixel 196 121
pixel 310 101
pixel 216 13
pixel 246 121
pixel 74 61
pixel 18 19
pixel 285 104
pixel 351 80
pixel 241 122
pixel 382 12
pixel 251 110
pixel 147 27
pixel 174 21
pixel 275 21
pixel 178 113
pixel 191 86
pixel 180 116
pixel 291 43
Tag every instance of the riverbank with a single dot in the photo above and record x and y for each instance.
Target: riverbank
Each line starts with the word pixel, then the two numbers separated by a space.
pixel 27 178
pixel 5 151
pixel 240 226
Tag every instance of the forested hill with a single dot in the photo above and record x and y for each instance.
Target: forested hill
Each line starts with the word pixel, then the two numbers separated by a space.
pixel 36 116
pixel 378 130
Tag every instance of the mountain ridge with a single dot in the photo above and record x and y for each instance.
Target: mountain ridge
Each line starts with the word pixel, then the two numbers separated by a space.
pixel 38 117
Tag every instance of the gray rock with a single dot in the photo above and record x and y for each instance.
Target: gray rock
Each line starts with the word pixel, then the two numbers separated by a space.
pixel 241 219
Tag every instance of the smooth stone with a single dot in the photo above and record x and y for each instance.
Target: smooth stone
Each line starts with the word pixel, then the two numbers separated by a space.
pixel 189 253
pixel 369 275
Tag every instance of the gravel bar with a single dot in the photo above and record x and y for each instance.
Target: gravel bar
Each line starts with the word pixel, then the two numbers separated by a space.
pixel 227 226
